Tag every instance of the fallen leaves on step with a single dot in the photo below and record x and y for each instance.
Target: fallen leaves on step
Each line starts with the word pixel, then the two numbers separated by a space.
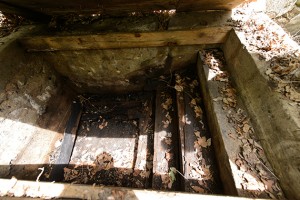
pixel 203 142
pixel 198 189
pixel 253 174
pixel 167 104
pixel 103 124
pixel 198 111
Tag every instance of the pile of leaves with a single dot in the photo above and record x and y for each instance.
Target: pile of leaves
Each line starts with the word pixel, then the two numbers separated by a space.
pixel 253 169
pixel 264 37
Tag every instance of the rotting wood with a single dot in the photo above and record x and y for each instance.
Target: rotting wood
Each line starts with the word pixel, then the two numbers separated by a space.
pixel 67 143
pixel 165 141
pixel 19 188
pixel 209 35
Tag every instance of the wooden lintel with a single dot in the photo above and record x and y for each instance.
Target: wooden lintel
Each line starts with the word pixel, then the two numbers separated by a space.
pixel 209 35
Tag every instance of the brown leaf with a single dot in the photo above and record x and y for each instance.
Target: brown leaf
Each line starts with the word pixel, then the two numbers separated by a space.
pixel 178 88
pixel 167 104
pixel 203 142
pixel 268 184
pixel 193 102
pixel 246 128
pixel 168 141
pixel 168 156
pixel 198 189
pixel 197 133
pixel 198 111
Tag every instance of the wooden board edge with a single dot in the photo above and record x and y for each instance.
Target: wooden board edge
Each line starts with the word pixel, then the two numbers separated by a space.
pixel 10 188
pixel 207 35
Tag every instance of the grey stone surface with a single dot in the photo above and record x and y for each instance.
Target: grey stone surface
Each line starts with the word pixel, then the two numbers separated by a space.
pixel 275 8
pixel 201 19
pixel 116 70
pixel 293 27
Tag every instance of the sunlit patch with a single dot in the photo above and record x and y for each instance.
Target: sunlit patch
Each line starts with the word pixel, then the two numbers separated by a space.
pixel 260 34
pixel 15 135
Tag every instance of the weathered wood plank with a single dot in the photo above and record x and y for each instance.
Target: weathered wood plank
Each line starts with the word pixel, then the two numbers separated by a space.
pixel 195 159
pixel 209 35
pixel 67 143
pixel 237 149
pixel 165 141
pixel 190 5
pixel 116 7
pixel 19 188
pixel 144 157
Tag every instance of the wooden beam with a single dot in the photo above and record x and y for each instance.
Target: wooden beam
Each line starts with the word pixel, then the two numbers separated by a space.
pixel 19 188
pixel 117 7
pixel 165 141
pixel 209 35
pixel 67 143
pixel 190 5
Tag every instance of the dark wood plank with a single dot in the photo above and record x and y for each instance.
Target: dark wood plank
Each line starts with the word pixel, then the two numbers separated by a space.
pixel 144 159
pixel 198 162
pixel 67 143
pixel 208 35
pixel 165 141
pixel 117 7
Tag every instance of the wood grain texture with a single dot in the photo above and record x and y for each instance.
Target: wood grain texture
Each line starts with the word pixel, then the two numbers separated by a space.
pixel 210 35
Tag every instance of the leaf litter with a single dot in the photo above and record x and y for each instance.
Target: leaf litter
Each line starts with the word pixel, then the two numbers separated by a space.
pixel 264 37
pixel 254 171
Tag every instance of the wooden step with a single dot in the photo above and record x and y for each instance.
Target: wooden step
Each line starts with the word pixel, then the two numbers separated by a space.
pixel 243 167
pixel 198 163
pixel 165 155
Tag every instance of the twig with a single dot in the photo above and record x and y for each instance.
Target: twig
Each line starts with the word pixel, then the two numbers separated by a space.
pixel 42 171
pixel 173 168
pixel 269 170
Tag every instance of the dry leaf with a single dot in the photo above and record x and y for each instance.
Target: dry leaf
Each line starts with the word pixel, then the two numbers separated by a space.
pixel 268 184
pixel 197 133
pixel 203 142
pixel 193 102
pixel 178 88
pixel 168 141
pixel 198 189
pixel 246 128
pixel 167 104
pixel 168 156
pixel 198 111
